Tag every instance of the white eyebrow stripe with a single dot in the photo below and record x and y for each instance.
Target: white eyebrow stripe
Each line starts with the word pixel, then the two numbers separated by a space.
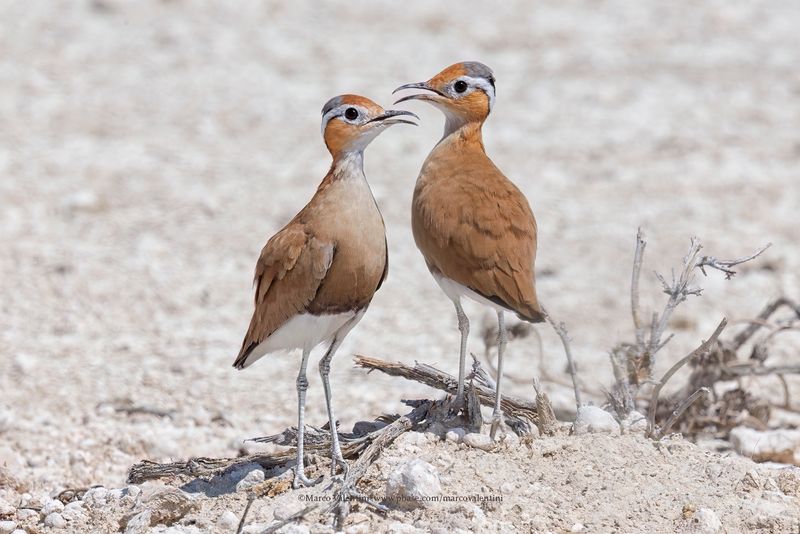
pixel 335 112
pixel 482 84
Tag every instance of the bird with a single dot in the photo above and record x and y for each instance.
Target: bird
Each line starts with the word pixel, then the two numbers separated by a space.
pixel 474 227
pixel 316 277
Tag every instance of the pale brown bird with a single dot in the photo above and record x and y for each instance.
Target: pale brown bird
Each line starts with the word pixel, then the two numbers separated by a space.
pixel 316 277
pixel 474 227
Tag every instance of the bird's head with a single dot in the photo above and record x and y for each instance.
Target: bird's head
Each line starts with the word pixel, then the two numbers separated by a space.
pixel 464 92
pixel 351 122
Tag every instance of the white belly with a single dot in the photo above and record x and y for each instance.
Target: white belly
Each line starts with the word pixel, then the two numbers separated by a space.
pixel 455 291
pixel 304 331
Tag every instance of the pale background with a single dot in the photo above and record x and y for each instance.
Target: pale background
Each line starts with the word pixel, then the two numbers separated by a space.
pixel 149 148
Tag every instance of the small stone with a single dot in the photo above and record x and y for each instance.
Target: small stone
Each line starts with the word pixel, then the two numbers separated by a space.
pixel 26 513
pixel 51 506
pixel 140 523
pixel 577 527
pixel 55 520
pixel 228 521
pixel 413 484
pixel 6 509
pixel 455 435
pixel 511 440
pixel 705 521
pixel 594 420
pixel 253 478
pixel 73 511
pixel 402 528
pixel 134 491
pixel 7 527
pixel 95 496
pixel 634 422
pixel 478 441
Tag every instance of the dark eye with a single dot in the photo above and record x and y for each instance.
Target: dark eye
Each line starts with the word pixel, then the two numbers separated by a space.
pixel 460 86
pixel 351 114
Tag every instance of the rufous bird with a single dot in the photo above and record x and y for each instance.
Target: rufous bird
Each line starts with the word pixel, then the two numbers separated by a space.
pixel 474 227
pixel 316 277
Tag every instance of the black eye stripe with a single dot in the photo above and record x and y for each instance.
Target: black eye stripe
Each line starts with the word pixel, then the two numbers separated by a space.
pixel 351 114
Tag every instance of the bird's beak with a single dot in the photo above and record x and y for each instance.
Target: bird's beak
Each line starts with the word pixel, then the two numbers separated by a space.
pixel 425 86
pixel 387 120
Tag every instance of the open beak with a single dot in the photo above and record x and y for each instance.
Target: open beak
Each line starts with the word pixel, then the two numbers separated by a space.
pixel 387 117
pixel 420 96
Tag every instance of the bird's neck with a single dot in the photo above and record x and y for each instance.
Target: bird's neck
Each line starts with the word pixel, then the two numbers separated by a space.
pixel 348 165
pixel 462 133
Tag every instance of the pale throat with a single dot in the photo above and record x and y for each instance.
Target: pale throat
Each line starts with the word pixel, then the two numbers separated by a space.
pixel 349 164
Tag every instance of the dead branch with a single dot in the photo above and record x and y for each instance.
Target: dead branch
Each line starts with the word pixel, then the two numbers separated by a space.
pixel 563 334
pixel 677 412
pixel 742 337
pixel 341 503
pixel 638 257
pixel 517 411
pixel 703 349
pixel 725 265
pixel 547 422
pixel 250 499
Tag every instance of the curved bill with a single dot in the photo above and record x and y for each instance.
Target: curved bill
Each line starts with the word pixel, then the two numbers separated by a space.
pixel 387 117
pixel 419 85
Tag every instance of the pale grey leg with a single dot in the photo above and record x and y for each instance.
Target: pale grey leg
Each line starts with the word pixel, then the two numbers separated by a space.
pixel 463 326
pixel 497 414
pixel 324 371
pixel 300 478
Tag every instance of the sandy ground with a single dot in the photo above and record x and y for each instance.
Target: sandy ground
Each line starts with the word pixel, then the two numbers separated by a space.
pixel 148 149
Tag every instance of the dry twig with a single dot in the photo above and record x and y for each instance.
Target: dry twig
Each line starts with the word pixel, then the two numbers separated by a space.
pixel 520 414
pixel 703 349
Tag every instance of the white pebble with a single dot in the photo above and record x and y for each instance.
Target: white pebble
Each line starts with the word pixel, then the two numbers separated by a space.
pixel 635 422
pixel 55 520
pixel 592 420
pixel 95 496
pixel 73 511
pixel 228 521
pixel 577 527
pixel 7 527
pixel 253 478
pixel 478 441
pixel 51 506
pixel 413 484
pixel 26 513
pixel 140 523
pixel 706 521
pixel 6 508
pixel 455 435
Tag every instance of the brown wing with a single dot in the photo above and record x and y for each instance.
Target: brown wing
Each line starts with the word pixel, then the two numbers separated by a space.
pixel 477 228
pixel 289 272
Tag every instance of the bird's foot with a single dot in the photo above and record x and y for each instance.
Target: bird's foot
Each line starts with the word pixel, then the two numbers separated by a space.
pixel 346 493
pixel 497 421
pixel 302 481
pixel 337 460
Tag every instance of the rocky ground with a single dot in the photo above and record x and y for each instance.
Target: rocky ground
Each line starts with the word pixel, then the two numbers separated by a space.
pixel 149 148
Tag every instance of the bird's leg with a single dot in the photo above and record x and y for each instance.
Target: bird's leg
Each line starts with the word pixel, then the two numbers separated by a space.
pixel 324 371
pixel 497 414
pixel 463 327
pixel 300 478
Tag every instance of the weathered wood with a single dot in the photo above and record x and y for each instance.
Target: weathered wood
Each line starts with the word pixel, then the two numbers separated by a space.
pixel 520 414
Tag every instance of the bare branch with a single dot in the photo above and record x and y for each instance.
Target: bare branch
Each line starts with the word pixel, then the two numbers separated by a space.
pixel 638 258
pixel 677 412
pixel 703 349
pixel 725 265
pixel 743 336
pixel 561 330
pixel 520 413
